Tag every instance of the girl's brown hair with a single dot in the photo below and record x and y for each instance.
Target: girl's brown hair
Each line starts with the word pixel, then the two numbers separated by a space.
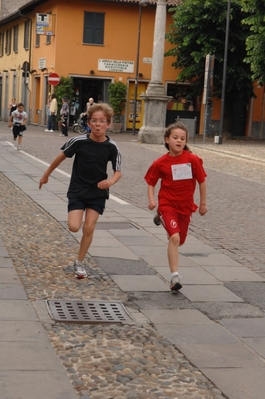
pixel 173 126
pixel 105 108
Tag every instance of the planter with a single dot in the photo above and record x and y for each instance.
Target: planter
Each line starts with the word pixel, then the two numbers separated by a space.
pixel 116 127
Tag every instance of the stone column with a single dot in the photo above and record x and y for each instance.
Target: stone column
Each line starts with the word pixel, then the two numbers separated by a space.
pixel 155 99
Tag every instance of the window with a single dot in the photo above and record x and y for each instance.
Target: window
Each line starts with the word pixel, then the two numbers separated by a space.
pixel 15 39
pixel 37 43
pixel 2 38
pixel 8 41
pixel 93 28
pixel 26 35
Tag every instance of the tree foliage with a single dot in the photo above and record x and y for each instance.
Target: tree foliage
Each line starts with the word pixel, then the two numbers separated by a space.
pixel 255 42
pixel 117 99
pixel 64 89
pixel 198 29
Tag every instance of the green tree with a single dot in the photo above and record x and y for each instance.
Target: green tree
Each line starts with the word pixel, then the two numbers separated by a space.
pixel 198 29
pixel 255 42
pixel 117 99
pixel 64 89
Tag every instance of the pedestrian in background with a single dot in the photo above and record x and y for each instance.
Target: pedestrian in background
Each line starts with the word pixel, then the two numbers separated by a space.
pixel 53 110
pixel 85 113
pixel 12 106
pixel 179 170
pixel 64 112
pixel 18 120
pixel 48 112
pixel 89 184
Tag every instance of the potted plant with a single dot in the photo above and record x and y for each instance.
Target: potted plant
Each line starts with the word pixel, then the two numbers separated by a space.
pixel 117 100
pixel 64 89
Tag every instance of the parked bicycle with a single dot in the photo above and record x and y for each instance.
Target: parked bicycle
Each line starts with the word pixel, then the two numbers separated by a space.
pixel 79 126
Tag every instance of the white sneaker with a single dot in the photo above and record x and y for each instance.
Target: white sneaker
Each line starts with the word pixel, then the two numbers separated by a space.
pixel 46 130
pixel 51 130
pixel 79 269
pixel 19 147
pixel 175 283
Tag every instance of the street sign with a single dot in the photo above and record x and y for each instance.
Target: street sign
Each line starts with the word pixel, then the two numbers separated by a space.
pixel 54 79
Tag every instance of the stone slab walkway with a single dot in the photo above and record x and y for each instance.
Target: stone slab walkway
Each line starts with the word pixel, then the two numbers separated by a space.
pixel 229 352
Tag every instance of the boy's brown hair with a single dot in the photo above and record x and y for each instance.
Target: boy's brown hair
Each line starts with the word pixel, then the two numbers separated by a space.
pixel 105 108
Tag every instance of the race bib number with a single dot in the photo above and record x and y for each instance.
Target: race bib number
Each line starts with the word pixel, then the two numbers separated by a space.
pixel 181 172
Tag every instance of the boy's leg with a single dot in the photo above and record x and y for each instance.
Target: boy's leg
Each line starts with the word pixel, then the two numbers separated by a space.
pixel 19 140
pixel 88 231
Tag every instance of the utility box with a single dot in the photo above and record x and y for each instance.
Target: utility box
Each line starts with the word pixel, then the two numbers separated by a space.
pixel 190 124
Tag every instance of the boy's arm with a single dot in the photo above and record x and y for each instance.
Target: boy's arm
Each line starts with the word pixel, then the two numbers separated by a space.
pixel 105 184
pixel 25 121
pixel 55 163
pixel 151 197
pixel 203 208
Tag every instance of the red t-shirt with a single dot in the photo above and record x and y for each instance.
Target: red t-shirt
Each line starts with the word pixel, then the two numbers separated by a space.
pixel 178 181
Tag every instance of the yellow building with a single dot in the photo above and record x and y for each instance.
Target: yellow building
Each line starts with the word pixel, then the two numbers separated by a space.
pixel 95 42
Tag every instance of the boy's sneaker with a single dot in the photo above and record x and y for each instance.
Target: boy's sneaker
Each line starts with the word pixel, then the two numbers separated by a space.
pixel 51 130
pixel 157 220
pixel 19 147
pixel 80 271
pixel 46 130
pixel 175 283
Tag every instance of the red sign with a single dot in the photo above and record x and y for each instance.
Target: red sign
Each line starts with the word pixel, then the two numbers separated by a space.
pixel 54 79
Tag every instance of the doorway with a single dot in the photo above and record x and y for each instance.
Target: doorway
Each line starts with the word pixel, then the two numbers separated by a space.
pixel 84 89
pixel 139 106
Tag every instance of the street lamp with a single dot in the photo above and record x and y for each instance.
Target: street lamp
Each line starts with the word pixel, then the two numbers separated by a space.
pixel 224 73
pixel 142 3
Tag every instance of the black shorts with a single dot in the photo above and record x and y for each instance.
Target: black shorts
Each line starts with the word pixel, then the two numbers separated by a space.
pixel 97 204
pixel 18 130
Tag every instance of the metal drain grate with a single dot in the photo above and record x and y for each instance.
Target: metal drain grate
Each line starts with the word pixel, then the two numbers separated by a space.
pixel 114 226
pixel 88 312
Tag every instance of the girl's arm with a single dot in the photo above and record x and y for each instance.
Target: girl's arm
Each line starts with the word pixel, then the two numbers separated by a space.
pixel 55 163
pixel 151 197
pixel 203 208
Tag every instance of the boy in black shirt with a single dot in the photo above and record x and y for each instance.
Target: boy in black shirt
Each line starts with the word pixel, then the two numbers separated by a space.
pixel 89 184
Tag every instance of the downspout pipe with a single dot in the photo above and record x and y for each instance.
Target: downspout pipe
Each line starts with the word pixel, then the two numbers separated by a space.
pixel 29 60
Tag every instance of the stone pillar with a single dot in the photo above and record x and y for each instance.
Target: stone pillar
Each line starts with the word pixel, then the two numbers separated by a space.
pixel 155 99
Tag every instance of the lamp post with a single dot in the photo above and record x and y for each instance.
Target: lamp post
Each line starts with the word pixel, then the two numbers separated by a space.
pixel 224 73
pixel 142 3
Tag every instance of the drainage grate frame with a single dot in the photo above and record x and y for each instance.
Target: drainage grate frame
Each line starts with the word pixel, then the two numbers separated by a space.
pixel 88 312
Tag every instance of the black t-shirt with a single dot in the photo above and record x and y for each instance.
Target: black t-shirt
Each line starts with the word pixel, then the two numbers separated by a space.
pixel 90 165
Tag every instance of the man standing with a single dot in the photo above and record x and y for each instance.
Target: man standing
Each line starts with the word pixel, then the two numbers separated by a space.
pixel 64 112
pixel 53 111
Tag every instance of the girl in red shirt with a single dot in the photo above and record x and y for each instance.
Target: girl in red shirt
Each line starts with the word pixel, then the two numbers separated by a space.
pixel 179 170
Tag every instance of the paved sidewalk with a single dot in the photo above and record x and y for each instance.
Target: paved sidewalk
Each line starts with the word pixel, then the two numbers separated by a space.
pixel 229 352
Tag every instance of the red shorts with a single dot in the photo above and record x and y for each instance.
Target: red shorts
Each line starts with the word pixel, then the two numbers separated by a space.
pixel 174 222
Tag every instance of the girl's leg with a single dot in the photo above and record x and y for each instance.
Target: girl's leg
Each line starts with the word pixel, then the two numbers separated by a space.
pixel 173 252
pixel 88 231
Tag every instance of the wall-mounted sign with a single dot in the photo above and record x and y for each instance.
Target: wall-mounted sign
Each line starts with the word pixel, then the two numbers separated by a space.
pixel 44 24
pixel 115 66
pixel 147 60
pixel 42 63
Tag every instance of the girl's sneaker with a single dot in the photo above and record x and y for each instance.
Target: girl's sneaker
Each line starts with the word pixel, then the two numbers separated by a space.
pixel 79 269
pixel 175 283
pixel 157 220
